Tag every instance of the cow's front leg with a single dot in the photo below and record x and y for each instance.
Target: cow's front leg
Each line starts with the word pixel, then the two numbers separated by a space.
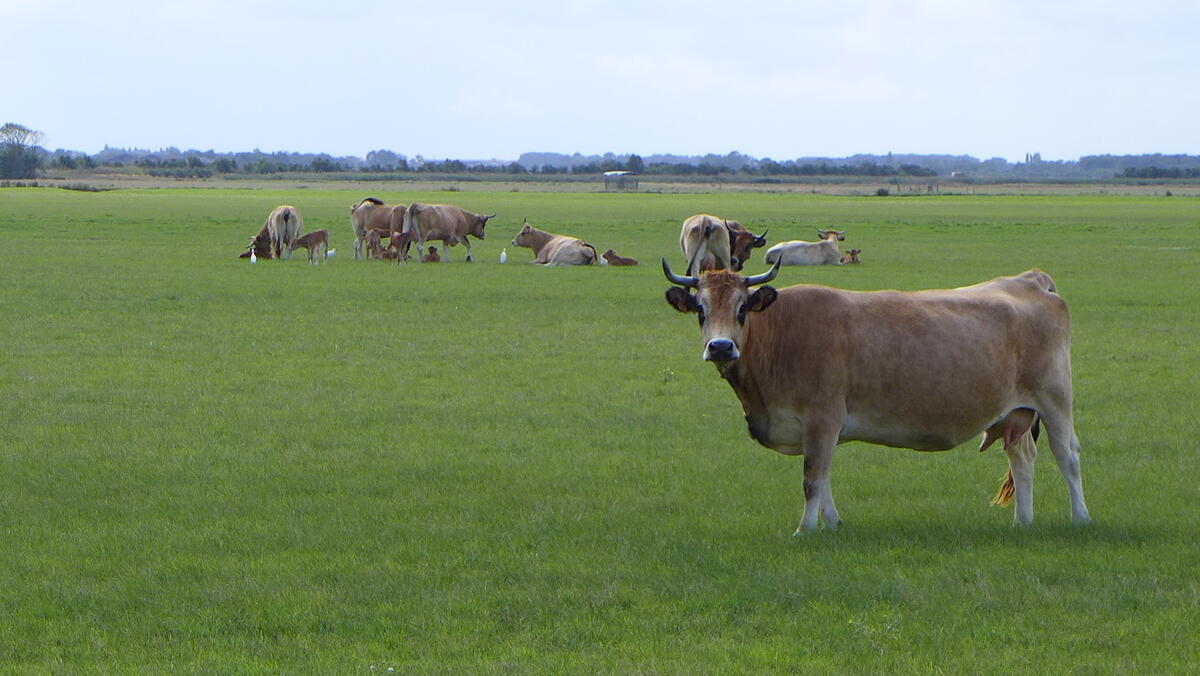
pixel 818 497
pixel 467 243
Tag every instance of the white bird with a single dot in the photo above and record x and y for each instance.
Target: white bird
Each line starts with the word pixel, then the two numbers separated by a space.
pixel 253 258
pixel 603 260
pixel 329 254
pixel 504 255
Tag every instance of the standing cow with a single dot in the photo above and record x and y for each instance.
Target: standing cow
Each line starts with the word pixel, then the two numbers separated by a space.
pixel 551 249
pixel 283 226
pixel 711 243
pixel 372 215
pixel 450 224
pixel 815 366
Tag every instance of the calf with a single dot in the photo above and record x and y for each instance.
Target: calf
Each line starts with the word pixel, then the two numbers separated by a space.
pixel 316 243
pixel 613 259
pixel 851 257
pixel 431 256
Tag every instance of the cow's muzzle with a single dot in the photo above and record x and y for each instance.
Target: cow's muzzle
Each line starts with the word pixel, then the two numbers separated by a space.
pixel 721 350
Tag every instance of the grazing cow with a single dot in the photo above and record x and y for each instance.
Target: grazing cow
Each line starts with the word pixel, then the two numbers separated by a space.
pixel 432 256
pixel 372 215
pixel 613 259
pixel 551 249
pixel 797 252
pixel 711 243
pixel 283 227
pixel 450 224
pixel 851 257
pixel 260 245
pixel 815 366
pixel 316 243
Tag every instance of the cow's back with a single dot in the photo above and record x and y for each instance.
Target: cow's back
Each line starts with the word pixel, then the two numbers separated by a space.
pixel 798 252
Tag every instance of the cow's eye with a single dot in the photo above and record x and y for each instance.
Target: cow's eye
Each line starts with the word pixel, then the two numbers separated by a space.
pixel 741 315
pixel 700 316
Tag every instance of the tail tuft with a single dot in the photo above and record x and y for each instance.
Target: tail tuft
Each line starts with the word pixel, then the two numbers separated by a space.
pixel 1004 497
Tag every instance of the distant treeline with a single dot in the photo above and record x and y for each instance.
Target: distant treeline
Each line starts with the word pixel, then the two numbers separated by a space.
pixel 25 161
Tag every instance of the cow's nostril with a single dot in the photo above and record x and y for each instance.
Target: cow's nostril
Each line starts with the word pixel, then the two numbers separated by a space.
pixel 721 349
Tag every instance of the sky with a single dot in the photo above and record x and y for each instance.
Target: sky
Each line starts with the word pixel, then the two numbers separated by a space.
pixel 470 79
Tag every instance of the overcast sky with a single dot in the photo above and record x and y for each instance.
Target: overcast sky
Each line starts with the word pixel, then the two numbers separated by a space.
pixel 472 79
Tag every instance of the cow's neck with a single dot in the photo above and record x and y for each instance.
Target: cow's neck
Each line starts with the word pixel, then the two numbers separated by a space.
pixel 538 240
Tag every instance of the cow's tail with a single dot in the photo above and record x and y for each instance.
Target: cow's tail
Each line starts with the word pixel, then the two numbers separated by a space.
pixel 1005 495
pixel 594 256
pixel 373 200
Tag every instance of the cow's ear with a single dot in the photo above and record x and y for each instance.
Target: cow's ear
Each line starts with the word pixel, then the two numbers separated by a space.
pixel 681 300
pixel 761 299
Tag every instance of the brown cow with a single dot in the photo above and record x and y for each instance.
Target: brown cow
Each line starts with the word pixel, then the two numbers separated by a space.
pixel 551 249
pixel 372 215
pixel 431 256
pixel 815 366
pixel 316 243
pixel 613 259
pixel 260 245
pixel 450 224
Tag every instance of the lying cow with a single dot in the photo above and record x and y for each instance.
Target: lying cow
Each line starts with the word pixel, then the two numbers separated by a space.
pixel 551 249
pixel 851 257
pixel 316 243
pixel 814 367
pixel 613 259
pixel 432 256
pixel 711 243
pixel 372 215
pixel 260 245
pixel 450 224
pixel 797 252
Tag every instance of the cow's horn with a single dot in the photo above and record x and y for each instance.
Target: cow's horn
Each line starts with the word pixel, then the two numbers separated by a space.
pixel 762 239
pixel 688 282
pixel 764 277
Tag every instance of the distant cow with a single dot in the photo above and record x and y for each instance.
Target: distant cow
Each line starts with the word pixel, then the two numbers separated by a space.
pixel 711 243
pixel 551 249
pixel 851 257
pixel 815 366
pixel 798 252
pixel 450 224
pixel 431 256
pixel 316 243
pixel 283 227
pixel 613 259
pixel 260 245
pixel 372 215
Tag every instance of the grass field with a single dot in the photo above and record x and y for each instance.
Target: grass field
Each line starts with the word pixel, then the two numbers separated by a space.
pixel 211 466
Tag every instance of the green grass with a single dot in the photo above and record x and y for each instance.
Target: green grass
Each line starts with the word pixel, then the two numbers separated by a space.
pixel 211 466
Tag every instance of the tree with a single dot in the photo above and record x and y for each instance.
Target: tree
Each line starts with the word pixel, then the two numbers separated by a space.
pixel 635 164
pixel 19 157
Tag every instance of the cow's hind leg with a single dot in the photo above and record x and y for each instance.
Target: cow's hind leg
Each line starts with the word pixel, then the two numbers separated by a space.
pixel 1064 444
pixel 1022 453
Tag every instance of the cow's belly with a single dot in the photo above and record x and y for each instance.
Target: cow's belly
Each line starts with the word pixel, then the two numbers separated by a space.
pixel 943 435
pixel 784 431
